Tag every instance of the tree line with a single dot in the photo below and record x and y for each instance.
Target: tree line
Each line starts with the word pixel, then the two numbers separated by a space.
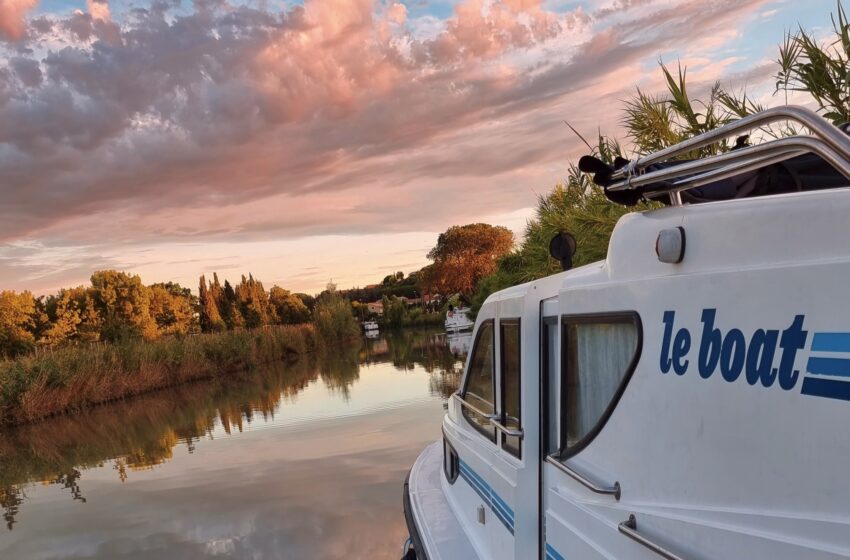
pixel 248 305
pixel 117 305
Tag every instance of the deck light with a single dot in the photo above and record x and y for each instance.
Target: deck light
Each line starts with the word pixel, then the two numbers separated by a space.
pixel 670 245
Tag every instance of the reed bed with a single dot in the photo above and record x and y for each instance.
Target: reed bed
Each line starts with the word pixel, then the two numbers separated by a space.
pixel 61 380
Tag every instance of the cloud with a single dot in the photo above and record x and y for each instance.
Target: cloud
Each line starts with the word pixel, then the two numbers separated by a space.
pixel 12 18
pixel 239 122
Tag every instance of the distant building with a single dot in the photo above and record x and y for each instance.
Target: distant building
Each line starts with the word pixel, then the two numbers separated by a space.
pixel 376 307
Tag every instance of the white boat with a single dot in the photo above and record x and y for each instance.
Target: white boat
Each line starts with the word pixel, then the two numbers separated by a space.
pixel 457 319
pixel 687 398
pixel 370 326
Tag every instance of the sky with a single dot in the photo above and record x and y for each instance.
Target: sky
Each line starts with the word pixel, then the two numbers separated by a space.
pixel 323 140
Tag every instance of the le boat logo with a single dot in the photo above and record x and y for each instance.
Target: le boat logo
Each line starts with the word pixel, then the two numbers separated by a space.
pixel 765 357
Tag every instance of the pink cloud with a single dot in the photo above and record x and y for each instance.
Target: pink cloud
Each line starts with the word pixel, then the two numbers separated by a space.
pixel 12 18
pixel 242 123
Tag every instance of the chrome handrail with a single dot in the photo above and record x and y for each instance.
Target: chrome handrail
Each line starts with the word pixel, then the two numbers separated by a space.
pixel 629 528
pixel 614 490
pixel 827 141
pixel 473 408
pixel 491 418
pixel 507 431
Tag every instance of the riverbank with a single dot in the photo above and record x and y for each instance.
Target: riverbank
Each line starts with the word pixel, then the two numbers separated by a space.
pixel 72 378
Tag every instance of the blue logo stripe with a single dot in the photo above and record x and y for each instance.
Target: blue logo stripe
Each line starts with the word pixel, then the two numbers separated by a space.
pixel 829 366
pixel 831 342
pixel 829 388
pixel 552 553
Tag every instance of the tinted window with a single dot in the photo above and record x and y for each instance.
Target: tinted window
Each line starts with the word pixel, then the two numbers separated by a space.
pixel 598 357
pixel 451 462
pixel 510 362
pixel 479 391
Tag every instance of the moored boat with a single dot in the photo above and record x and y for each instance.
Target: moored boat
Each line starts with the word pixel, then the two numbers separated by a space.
pixel 457 320
pixel 687 397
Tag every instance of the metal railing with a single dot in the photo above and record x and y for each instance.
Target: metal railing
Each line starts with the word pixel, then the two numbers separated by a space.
pixel 629 528
pixel 825 140
pixel 583 480
pixel 491 418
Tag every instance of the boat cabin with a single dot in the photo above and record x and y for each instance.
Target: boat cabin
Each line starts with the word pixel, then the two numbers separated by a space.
pixel 686 398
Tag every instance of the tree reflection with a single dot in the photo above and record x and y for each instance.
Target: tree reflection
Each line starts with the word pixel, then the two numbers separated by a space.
pixel 141 433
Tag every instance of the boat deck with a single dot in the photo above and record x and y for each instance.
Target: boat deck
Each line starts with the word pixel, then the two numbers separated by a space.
pixel 440 531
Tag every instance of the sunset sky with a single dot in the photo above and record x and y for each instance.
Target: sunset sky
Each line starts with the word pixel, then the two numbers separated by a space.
pixel 332 139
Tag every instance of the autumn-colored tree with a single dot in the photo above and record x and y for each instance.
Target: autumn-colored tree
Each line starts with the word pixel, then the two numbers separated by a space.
pixel 172 307
pixel 463 255
pixel 209 314
pixel 63 314
pixel 253 302
pixel 287 308
pixel 123 304
pixel 17 323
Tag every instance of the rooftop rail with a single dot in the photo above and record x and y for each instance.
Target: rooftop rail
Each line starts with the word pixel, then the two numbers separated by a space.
pixel 825 140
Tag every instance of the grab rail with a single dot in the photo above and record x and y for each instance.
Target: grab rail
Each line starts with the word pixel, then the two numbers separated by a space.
pixel 491 418
pixel 614 490
pixel 473 408
pixel 827 141
pixel 629 528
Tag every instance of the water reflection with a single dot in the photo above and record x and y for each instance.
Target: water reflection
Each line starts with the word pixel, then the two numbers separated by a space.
pixel 315 472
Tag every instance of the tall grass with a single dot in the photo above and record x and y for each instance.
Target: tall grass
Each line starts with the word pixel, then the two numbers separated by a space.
pixel 72 378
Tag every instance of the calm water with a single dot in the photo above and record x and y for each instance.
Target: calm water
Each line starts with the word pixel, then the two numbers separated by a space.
pixel 304 460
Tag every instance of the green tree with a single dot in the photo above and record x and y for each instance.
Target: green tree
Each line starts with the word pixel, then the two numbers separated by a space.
pixel 230 308
pixel 288 309
pixel 333 316
pixel 821 70
pixel 17 323
pixel 123 303
pixel 395 312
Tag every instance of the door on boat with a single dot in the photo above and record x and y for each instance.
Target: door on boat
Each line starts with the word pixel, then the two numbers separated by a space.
pixel 585 364
pixel 492 449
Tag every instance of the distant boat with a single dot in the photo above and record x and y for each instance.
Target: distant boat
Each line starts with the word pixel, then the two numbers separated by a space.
pixel 458 320
pixel 370 326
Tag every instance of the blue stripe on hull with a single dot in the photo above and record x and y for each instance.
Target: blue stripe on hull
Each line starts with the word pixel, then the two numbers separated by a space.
pixel 831 342
pixel 829 388
pixel 552 554
pixel 498 506
pixel 829 366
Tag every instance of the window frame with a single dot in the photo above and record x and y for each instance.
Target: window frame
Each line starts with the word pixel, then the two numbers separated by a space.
pixel 500 372
pixel 566 451
pixel 490 434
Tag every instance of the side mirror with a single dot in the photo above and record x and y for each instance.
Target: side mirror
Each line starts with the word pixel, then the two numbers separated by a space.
pixel 562 248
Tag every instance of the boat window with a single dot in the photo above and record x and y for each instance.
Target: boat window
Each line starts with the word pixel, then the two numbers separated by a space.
pixel 509 333
pixel 451 461
pixel 600 353
pixel 479 391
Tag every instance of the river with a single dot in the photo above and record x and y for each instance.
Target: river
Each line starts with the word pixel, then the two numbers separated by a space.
pixel 299 460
